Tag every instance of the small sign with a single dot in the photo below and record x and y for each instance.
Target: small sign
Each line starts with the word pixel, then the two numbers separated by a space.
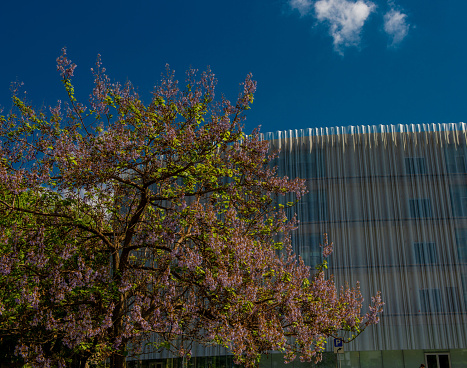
pixel 339 350
pixel 338 343
pixel 338 346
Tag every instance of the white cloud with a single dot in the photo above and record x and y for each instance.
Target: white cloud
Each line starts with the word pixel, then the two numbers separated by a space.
pixel 346 19
pixel 303 6
pixel 396 26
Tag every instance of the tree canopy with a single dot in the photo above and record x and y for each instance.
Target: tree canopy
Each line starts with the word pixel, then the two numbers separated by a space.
pixel 121 220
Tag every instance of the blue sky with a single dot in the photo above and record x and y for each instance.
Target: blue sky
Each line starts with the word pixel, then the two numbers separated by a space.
pixel 317 62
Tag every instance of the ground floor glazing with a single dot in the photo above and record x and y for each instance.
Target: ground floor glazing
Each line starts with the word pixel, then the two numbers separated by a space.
pixel 455 358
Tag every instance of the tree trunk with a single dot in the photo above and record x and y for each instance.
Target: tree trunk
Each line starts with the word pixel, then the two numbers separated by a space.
pixel 118 358
pixel 79 362
pixel 117 361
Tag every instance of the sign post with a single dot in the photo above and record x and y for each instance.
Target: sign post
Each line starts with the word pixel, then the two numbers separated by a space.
pixel 338 349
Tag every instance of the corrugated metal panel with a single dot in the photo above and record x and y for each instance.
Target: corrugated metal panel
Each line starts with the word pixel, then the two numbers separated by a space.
pixel 394 200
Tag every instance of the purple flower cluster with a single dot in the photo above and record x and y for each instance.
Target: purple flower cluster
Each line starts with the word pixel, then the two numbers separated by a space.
pixel 65 66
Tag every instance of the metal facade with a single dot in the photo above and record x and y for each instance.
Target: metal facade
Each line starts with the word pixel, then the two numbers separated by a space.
pixel 393 199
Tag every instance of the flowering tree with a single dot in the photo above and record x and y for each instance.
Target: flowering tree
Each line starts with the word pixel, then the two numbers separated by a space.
pixel 124 220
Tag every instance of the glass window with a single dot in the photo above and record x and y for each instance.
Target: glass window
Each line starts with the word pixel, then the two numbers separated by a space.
pixel 420 207
pixel 219 361
pixel 425 253
pixel 459 200
pixel 415 165
pixel 155 365
pixel 455 159
pixel 461 240
pixel 438 360
pixel 430 300
pixel 307 245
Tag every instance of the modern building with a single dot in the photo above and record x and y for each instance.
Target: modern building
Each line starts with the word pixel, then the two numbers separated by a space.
pixel 393 199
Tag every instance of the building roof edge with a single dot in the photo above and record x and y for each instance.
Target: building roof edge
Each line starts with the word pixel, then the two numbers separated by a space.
pixel 366 129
